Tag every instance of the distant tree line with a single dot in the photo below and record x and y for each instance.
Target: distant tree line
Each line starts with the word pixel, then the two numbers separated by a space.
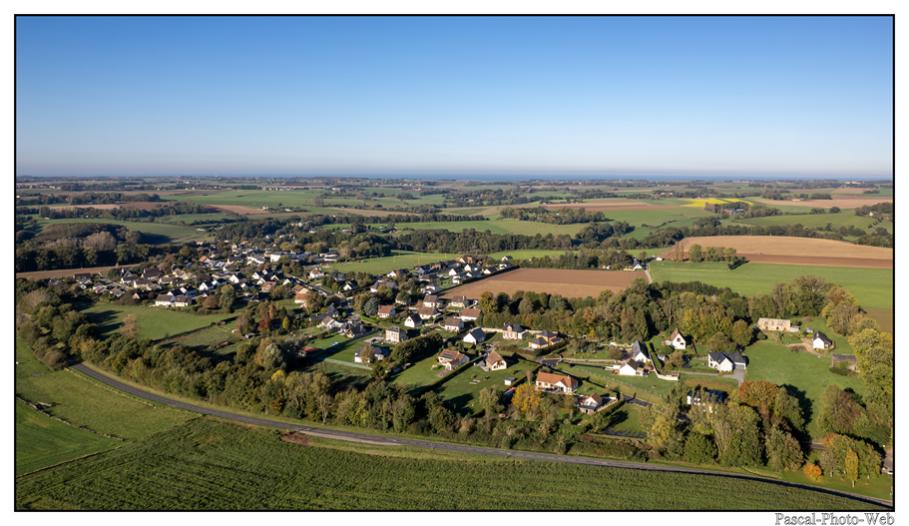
pixel 558 216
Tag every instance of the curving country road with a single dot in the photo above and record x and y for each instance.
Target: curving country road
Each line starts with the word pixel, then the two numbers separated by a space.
pixel 351 436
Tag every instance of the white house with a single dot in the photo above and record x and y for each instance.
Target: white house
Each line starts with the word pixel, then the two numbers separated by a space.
pixel 720 362
pixel 453 324
pixel 412 321
pixel 628 369
pixel 676 341
pixel 559 383
pixel 395 335
pixel 821 342
pixel 475 336
pixel 639 353
pixel 495 362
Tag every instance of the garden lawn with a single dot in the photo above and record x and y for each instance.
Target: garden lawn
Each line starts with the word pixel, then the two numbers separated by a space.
pixel 420 373
pixel 463 391
pixel 153 323
pixel 873 288
pixel 809 374
pixel 648 388
pixel 42 441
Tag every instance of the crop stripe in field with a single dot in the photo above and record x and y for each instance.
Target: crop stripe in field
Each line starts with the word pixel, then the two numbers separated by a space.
pixel 463 448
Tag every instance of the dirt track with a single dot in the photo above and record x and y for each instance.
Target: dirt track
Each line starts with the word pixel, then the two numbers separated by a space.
pixel 797 250
pixel 564 282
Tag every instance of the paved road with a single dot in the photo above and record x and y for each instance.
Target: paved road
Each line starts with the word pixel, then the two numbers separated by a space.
pixel 446 446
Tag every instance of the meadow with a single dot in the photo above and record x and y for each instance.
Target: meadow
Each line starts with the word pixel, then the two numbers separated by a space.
pixel 873 288
pixel 305 198
pixel 43 441
pixel 206 464
pixel 153 323
pixel 96 413
pixel 807 373
pixel 815 220
pixel 156 232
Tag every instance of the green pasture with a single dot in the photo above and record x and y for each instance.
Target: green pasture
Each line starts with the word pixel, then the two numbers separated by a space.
pixel 873 288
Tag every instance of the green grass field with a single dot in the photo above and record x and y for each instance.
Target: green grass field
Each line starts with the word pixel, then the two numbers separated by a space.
pixel 306 198
pixel 806 372
pixel 42 441
pixel 153 322
pixel 815 220
pixel 207 464
pixel 85 402
pixel 646 221
pixel 162 232
pixel 211 335
pixel 873 288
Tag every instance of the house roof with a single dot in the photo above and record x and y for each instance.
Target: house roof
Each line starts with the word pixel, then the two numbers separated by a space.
pixel 823 337
pixel 737 358
pixel 451 355
pixel 470 313
pixel 514 327
pixel 386 309
pixel 554 378
pixel 494 358
pixel 477 333
pixel 451 320
pixel 718 356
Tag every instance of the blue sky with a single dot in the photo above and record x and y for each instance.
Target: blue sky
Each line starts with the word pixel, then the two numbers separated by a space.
pixel 413 96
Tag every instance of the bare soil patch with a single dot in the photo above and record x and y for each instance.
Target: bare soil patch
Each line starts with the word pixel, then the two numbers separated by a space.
pixel 796 250
pixel 842 201
pixel 564 282
pixel 295 438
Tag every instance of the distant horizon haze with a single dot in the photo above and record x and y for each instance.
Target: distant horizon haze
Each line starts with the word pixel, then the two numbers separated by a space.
pixel 455 97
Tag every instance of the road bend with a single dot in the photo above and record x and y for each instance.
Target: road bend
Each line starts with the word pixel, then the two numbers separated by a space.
pixel 351 436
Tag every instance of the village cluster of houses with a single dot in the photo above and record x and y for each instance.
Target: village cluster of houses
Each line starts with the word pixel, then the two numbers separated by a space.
pixel 237 265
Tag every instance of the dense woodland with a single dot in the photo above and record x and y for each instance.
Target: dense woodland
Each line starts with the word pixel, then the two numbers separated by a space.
pixel 71 245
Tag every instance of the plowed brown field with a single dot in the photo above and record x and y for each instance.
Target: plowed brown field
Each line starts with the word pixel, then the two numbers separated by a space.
pixel 796 250
pixel 564 282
